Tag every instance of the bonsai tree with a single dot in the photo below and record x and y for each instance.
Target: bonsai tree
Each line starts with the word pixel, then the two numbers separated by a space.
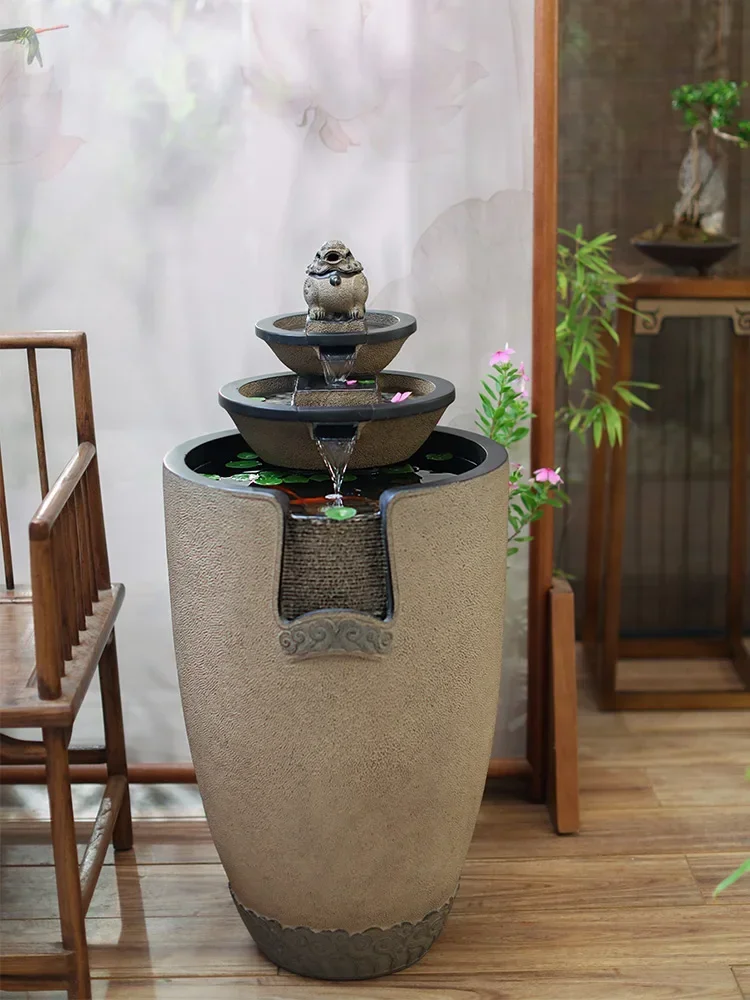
pixel 710 111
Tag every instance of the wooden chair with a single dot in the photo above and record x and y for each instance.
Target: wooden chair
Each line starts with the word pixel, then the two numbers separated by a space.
pixel 52 639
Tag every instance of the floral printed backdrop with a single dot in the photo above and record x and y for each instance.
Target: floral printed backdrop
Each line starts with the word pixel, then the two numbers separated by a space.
pixel 165 177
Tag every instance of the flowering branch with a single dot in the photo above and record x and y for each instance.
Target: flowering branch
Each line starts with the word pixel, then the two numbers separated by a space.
pixel 28 36
pixel 505 416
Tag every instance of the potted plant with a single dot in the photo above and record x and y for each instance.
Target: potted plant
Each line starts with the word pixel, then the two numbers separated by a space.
pixel 589 294
pixel 696 237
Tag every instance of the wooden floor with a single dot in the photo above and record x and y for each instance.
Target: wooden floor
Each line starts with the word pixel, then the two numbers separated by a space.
pixel 621 912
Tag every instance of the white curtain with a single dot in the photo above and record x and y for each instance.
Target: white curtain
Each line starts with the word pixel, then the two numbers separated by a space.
pixel 164 180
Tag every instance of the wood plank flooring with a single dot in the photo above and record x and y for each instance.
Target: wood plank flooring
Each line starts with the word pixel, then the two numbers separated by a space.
pixel 624 911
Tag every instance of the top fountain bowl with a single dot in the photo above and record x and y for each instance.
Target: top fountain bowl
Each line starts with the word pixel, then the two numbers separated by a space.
pixel 299 345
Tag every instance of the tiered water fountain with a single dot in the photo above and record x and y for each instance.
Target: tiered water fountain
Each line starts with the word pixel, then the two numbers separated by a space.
pixel 337 574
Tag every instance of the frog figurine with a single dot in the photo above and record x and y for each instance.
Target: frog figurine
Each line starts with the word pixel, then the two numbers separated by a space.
pixel 335 290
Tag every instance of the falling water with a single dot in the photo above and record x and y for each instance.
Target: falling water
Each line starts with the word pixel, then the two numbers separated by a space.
pixel 336 453
pixel 337 367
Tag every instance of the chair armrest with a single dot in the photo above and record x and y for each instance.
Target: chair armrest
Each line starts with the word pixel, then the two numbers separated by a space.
pixel 60 493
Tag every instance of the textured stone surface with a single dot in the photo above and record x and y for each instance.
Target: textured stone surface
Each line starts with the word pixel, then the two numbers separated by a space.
pixel 380 442
pixel 341 791
pixel 333 564
pixel 371 358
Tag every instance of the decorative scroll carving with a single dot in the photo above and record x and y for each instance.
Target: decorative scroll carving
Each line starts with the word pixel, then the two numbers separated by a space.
pixel 321 636
pixel 652 312
pixel 338 954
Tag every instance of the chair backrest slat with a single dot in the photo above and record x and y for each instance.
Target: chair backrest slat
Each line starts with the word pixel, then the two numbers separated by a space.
pixel 5 531
pixel 36 406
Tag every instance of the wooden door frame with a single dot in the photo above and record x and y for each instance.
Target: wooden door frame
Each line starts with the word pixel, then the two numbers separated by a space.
pixel 543 352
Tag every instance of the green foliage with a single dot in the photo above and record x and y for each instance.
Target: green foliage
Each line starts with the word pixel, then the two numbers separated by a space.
pixel 505 414
pixel 713 105
pixel 589 294
pixel 526 504
pixel 505 417
pixel 24 36
pixel 743 869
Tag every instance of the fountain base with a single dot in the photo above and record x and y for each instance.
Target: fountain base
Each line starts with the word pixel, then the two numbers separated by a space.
pixel 341 753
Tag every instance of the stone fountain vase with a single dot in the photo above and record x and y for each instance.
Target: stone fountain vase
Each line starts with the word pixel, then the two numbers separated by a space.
pixel 339 677
pixel 341 752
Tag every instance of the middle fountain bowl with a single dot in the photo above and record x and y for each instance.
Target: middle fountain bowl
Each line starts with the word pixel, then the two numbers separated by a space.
pixel 387 433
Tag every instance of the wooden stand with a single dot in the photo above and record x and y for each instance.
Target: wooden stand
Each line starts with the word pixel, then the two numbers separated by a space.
pixel 656 300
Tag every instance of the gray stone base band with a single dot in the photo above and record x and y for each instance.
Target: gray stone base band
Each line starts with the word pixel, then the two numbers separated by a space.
pixel 338 954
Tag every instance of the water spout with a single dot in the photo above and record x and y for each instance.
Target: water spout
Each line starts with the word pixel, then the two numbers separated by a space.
pixel 336 445
pixel 337 365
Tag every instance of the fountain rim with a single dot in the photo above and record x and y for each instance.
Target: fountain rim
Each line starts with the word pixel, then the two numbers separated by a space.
pixel 175 462
pixel 232 400
pixel 403 326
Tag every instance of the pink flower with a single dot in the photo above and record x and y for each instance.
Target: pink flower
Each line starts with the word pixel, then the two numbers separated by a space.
pixel 399 397
pixel 551 476
pixel 502 357
pixel 351 381
pixel 516 466
pixel 523 391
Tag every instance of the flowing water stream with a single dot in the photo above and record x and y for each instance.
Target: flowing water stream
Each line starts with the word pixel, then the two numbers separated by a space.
pixel 337 367
pixel 336 452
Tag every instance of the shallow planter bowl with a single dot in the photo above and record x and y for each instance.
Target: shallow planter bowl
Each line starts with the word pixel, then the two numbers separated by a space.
pixel 681 256
pixel 387 433
pixel 375 347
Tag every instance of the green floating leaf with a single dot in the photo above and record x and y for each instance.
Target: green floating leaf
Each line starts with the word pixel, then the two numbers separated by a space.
pixel 439 456
pixel 320 477
pixel 243 477
pixel 367 381
pixel 269 479
pixel 348 477
pixel 255 399
pixel 340 513
pixel 244 463
pixel 400 470
pixel 296 477
pixel 246 454
pixel 209 475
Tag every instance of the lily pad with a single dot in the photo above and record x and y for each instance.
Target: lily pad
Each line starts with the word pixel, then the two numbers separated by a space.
pixel 367 381
pixel 244 477
pixel 439 456
pixel 269 479
pixel 400 470
pixel 296 477
pixel 340 513
pixel 255 399
pixel 348 477
pixel 247 454
pixel 244 463
pixel 210 475
pixel 320 477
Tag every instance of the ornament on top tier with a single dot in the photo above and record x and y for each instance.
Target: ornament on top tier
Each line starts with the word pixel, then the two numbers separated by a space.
pixel 335 291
